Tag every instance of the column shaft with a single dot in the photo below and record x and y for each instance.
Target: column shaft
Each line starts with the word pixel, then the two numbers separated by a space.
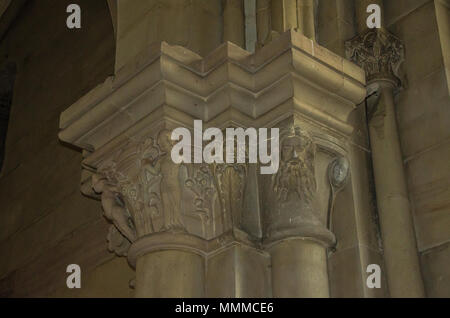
pixel 263 21
pixel 294 14
pixel 170 274
pixel 306 18
pixel 234 22
pixel 400 250
pixel 239 271
pixel 299 269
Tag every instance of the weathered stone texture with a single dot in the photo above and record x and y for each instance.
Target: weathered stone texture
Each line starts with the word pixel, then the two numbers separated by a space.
pixel 46 224
pixel 42 211
pixel 424 123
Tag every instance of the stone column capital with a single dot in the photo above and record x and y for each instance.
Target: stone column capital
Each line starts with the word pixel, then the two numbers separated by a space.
pixel 290 196
pixel 123 125
pixel 379 53
pixel 145 194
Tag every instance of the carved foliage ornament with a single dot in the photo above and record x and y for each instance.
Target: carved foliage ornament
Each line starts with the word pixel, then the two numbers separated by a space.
pixel 144 192
pixel 379 53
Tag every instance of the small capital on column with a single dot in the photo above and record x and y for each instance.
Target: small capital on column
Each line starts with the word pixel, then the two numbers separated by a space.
pixel 379 53
pixel 291 208
pixel 144 193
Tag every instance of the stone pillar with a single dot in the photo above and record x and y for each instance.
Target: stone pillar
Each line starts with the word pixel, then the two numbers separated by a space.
pixel 307 17
pixel 170 274
pixel 234 22
pixel 299 269
pixel 295 234
pixel 294 14
pixel 214 230
pixel 264 22
pixel 442 8
pixel 381 54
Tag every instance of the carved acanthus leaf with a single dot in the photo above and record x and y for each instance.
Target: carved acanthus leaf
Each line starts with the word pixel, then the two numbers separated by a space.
pixel 379 53
pixel 144 192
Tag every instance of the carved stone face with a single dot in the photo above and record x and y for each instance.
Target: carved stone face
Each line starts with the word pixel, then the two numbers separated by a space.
pixel 291 150
pixel 339 171
pixel 296 173
pixel 339 174
pixel 164 141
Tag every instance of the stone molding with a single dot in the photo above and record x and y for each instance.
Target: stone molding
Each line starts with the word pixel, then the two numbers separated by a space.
pixel 230 78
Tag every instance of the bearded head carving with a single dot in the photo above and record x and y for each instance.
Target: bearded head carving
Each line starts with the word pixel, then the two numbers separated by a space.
pixel 295 178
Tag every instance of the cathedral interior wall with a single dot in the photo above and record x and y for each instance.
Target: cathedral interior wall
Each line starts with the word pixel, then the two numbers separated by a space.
pixel 45 222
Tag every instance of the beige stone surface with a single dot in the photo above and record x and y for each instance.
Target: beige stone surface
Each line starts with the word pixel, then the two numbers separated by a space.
pixel 108 280
pixel 335 24
pixel 170 273
pixel 124 86
pixel 435 267
pixel 42 214
pixel 346 274
pixel 396 10
pixel 159 75
pixel 299 270
pixel 423 117
pixel 239 272
pixel 443 21
pixel 292 73
pixel 429 184
pixel 142 23
pixel 52 263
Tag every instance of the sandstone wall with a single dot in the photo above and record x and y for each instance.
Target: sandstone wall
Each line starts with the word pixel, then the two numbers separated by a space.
pixel 423 116
pixel 424 123
pixel 45 222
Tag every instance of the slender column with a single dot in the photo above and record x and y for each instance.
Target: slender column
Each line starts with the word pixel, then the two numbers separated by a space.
pixel 234 22
pixel 443 21
pixel 294 234
pixel 294 14
pixel 299 269
pixel 112 4
pixel 400 249
pixel 306 17
pixel 380 54
pixel 171 219
pixel 170 274
pixel 143 200
pixel 263 22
